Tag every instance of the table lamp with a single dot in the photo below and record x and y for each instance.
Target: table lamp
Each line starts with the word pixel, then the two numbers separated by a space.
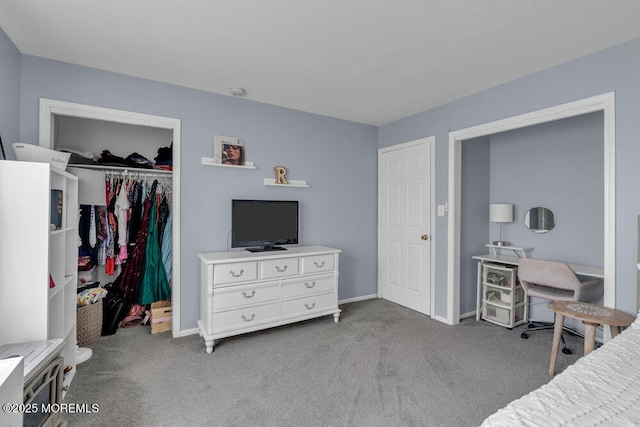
pixel 501 213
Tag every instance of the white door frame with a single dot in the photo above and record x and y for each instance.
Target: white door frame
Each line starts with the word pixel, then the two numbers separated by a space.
pixel 431 140
pixel 50 108
pixel 604 103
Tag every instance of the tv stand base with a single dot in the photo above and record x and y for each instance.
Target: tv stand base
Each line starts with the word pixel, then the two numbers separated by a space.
pixel 266 249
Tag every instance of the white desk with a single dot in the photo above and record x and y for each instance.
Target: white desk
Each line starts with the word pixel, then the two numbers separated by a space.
pixel 581 270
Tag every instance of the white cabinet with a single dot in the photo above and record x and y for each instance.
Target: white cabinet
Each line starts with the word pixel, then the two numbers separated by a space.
pixel 503 299
pixel 11 385
pixel 245 291
pixel 38 265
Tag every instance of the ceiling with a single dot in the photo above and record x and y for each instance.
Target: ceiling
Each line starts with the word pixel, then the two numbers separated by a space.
pixel 368 61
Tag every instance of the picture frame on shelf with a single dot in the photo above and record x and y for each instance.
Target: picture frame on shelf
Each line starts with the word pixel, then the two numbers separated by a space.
pixel 222 157
pixel 233 154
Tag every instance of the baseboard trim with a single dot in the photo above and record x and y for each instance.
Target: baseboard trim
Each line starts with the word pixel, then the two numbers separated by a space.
pixel 356 299
pixel 469 314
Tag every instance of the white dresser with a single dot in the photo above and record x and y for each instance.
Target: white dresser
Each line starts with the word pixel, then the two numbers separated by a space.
pixel 241 291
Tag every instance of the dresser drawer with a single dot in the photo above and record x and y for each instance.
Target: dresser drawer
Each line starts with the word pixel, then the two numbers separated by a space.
pixel 237 296
pixel 309 285
pixel 247 317
pixel 235 272
pixel 308 305
pixel 283 267
pixel 317 263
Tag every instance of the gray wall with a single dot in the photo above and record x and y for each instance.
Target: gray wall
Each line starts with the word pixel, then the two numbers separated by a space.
pixel 336 157
pixel 474 217
pixel 560 166
pixel 614 69
pixel 9 94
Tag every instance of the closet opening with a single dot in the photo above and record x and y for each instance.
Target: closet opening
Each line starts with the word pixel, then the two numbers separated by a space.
pixel 604 103
pixel 83 128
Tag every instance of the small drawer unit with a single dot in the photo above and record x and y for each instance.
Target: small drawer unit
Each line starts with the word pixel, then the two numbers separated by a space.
pixel 244 291
pixel 305 306
pixel 245 317
pixel 293 288
pixel 503 316
pixel 317 264
pixel 235 272
pixel 503 298
pixel 281 267
pixel 499 275
pixel 237 296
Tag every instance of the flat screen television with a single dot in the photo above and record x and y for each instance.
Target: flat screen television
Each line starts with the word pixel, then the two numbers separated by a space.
pixel 262 225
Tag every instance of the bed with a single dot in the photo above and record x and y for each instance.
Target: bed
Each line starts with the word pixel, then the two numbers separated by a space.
pixel 602 388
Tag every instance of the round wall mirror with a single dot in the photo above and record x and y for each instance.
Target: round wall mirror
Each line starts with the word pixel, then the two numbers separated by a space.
pixel 540 220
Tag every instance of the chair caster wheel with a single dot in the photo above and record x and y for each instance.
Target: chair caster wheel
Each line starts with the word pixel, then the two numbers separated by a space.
pixel 567 351
pixel 524 335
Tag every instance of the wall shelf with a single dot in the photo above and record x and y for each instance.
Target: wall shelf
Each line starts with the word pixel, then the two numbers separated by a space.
pixel 520 251
pixel 291 183
pixel 209 162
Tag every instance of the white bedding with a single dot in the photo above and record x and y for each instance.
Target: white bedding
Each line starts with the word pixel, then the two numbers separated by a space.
pixel 601 389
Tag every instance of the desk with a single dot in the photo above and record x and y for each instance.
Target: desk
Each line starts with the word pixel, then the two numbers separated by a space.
pixel 592 316
pixel 581 270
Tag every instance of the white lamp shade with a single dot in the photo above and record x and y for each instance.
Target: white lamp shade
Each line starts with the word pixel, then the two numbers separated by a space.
pixel 501 212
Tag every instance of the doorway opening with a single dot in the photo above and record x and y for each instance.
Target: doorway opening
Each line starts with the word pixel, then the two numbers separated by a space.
pixel 50 109
pixel 604 103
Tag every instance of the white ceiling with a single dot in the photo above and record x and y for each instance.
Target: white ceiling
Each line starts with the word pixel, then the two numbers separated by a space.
pixel 369 61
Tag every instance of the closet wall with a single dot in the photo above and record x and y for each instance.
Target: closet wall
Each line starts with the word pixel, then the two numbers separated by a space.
pixel 120 139
pixel 95 136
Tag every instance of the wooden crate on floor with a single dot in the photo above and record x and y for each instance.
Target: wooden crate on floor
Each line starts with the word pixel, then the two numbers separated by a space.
pixel 160 317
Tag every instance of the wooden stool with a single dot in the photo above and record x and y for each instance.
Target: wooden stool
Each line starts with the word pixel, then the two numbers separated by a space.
pixel 592 316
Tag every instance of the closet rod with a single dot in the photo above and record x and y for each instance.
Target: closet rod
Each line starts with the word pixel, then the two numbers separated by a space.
pixel 135 174
pixel 120 169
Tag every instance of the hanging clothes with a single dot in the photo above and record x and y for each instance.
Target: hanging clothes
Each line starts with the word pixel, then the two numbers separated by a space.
pixel 167 248
pixel 122 212
pixel 128 280
pixel 154 285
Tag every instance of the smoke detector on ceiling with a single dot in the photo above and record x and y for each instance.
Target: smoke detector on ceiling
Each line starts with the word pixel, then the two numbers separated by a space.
pixel 237 91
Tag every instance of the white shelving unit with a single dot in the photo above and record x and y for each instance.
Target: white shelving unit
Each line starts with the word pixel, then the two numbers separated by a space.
pixel 32 253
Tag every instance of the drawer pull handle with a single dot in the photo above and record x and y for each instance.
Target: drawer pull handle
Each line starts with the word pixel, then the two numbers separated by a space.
pixel 309 286
pixel 281 270
pixel 318 265
pixel 233 273
pixel 248 319
pixel 246 295
pixel 309 307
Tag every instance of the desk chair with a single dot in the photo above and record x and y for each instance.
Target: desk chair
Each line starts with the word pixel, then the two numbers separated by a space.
pixel 555 281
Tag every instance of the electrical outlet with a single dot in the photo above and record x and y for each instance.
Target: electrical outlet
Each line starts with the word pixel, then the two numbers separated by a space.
pixel 440 210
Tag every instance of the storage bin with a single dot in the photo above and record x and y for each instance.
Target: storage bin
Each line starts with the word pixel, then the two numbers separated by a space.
pixel 89 323
pixel 498 275
pixel 35 153
pixel 502 316
pixel 160 317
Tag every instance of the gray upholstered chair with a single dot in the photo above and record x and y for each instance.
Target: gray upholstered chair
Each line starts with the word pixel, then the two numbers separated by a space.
pixel 555 281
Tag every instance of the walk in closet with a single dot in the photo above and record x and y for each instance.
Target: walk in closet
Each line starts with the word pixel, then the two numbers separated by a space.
pixel 102 188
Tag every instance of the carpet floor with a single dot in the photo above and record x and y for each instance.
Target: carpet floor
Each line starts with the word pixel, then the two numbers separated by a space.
pixel 382 365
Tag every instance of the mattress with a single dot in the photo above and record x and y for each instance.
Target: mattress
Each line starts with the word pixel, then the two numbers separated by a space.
pixel 602 388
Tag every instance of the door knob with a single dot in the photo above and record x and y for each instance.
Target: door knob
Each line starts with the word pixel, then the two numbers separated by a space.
pixel 425 237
